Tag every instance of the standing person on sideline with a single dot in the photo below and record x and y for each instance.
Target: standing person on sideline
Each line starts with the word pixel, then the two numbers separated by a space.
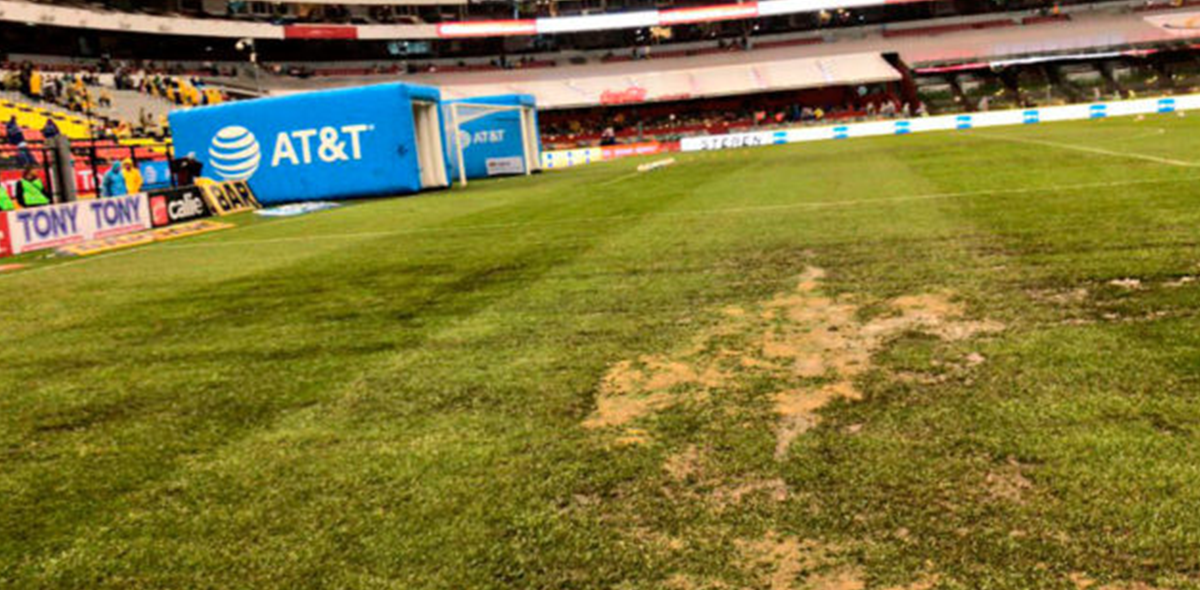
pixel 133 177
pixel 6 202
pixel 113 183
pixel 30 190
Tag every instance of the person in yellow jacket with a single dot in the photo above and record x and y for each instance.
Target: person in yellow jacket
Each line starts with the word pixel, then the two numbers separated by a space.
pixel 30 190
pixel 6 202
pixel 133 178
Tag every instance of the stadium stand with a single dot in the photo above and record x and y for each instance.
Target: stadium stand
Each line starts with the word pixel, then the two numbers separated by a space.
pixel 34 117
pixel 644 83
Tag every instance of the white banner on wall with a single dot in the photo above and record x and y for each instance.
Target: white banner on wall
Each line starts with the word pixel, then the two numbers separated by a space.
pixel 1032 116
pixel 52 226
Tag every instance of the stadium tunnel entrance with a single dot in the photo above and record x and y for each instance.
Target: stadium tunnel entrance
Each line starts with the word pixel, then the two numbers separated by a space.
pixel 431 152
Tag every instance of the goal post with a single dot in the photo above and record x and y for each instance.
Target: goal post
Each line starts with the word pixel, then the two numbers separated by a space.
pixel 468 127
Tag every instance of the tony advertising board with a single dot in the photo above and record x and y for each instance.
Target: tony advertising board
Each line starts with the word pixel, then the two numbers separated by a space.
pixel 177 205
pixel 5 244
pixel 60 225
pixel 310 146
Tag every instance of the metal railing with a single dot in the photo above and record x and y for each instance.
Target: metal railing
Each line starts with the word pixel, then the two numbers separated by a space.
pixel 90 160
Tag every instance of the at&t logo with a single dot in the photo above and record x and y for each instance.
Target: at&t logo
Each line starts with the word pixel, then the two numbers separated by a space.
pixel 466 138
pixel 235 153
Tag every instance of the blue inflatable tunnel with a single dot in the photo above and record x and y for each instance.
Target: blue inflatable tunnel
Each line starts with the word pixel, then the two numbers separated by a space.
pixel 335 144
pixel 492 136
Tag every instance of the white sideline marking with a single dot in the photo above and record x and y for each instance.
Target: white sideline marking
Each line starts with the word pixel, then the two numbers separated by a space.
pixel 1089 149
pixel 620 178
pixel 684 214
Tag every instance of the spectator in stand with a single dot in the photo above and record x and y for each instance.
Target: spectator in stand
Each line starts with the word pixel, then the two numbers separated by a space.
pixel 6 202
pixel 608 137
pixel 133 177
pixel 30 190
pixel 50 130
pixel 16 138
pixel 113 183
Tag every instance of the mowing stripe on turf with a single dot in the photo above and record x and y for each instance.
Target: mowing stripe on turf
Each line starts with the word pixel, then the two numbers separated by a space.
pixel 1089 149
pixel 683 214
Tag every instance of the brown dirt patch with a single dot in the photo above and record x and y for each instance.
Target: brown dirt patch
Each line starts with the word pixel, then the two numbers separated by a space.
pixel 1127 283
pixel 1059 297
pixel 629 392
pixel 809 340
pixel 925 583
pixel 775 489
pixel 685 464
pixel 778 560
pixel 797 410
pixel 842 579
pixel 1008 483
pixel 1080 580
pixel 786 563
pixel 823 339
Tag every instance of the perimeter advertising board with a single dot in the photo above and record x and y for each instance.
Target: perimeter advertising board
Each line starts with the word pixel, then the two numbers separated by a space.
pixel 5 243
pixel 177 205
pixel 227 198
pixel 53 226
pixel 957 122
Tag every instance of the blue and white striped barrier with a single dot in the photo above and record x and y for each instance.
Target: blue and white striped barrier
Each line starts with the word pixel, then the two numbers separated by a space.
pixel 1076 112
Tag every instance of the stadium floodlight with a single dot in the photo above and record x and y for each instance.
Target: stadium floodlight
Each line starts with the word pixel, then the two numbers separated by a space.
pixel 462 113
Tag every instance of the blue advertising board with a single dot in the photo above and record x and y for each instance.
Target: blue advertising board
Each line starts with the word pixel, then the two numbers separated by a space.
pixel 491 141
pixel 332 144
pixel 156 174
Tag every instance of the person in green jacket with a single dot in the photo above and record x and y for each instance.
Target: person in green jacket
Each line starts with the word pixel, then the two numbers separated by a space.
pixel 30 190
pixel 6 202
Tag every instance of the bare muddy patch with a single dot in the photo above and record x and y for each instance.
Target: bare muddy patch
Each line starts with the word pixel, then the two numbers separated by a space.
pixel 812 343
pixel 1008 483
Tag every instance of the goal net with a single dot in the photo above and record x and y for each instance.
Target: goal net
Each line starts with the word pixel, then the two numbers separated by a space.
pixel 480 125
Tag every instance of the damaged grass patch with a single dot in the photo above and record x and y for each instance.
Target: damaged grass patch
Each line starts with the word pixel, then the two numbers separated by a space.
pixel 812 344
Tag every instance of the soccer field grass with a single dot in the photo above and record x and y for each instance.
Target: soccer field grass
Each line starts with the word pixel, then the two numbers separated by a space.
pixel 960 360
